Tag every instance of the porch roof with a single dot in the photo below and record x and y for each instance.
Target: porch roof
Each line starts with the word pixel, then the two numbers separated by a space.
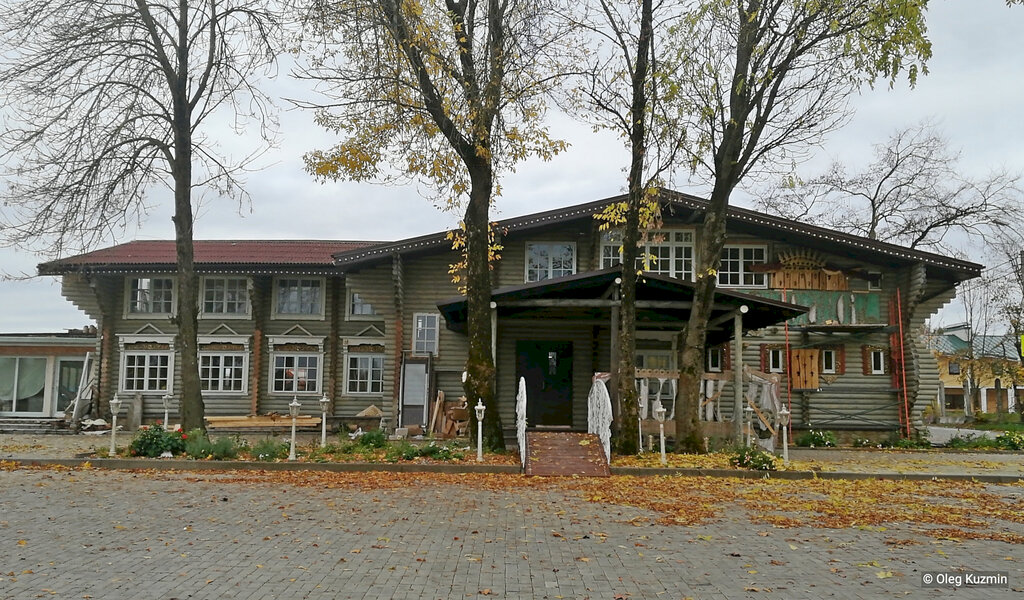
pixel 663 303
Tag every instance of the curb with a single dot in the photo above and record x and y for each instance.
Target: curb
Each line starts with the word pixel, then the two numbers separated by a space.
pixel 124 464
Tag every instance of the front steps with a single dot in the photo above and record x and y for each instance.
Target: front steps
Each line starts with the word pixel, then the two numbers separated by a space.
pixel 33 425
pixel 560 454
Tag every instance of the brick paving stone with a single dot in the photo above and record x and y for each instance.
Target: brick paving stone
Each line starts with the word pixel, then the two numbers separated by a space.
pixel 190 536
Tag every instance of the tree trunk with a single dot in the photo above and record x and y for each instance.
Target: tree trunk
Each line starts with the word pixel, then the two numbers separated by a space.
pixel 191 404
pixel 480 365
pixel 628 438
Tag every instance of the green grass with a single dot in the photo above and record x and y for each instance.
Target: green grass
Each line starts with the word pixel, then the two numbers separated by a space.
pixel 996 426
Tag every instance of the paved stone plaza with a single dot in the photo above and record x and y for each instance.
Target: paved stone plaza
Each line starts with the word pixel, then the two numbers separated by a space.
pixel 119 535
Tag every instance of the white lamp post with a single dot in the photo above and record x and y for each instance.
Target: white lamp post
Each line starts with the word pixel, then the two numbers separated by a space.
pixel 325 402
pixel 293 410
pixel 167 400
pixel 784 415
pixel 115 407
pixel 659 414
pixel 480 408
pixel 750 424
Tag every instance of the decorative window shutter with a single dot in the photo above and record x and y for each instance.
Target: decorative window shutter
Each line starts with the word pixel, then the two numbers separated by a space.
pixel 804 364
pixel 727 350
pixel 840 359
pixel 764 358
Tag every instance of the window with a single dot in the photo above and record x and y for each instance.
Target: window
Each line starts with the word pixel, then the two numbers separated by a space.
pixel 736 268
pixel 150 296
pixel 550 260
pixel 222 372
pixel 365 373
pixel 828 362
pixel 425 330
pixel 299 297
pixel 776 360
pixel 877 358
pixel 954 368
pixel 358 306
pixel 874 280
pixel 654 359
pixel 672 255
pixel 225 296
pixel 146 371
pixel 22 384
pixel 715 359
pixel 296 373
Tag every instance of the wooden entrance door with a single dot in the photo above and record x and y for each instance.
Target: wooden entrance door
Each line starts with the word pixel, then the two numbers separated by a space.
pixel 547 368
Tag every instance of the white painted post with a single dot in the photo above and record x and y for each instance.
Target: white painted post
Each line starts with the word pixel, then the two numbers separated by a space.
pixel 293 410
pixel 115 407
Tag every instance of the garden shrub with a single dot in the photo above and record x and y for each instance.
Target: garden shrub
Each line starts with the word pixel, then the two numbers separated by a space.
pixel 372 439
pixel 269 450
pixel 1011 440
pixel 441 452
pixel 813 438
pixel 752 457
pixel 155 440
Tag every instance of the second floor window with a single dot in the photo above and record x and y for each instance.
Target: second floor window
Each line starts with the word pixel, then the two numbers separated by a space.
pixel 359 306
pixel 550 260
pixel 225 296
pixel 300 297
pixel 737 266
pixel 670 255
pixel 151 295
pixel 425 329
pixel 829 364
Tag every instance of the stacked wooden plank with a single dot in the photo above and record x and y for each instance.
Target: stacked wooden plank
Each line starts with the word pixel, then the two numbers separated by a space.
pixel 448 419
pixel 261 422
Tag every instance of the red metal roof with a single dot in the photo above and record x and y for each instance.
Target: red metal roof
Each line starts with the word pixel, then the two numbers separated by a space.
pixel 210 252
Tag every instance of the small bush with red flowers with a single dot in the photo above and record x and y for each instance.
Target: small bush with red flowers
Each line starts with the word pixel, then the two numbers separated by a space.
pixel 155 440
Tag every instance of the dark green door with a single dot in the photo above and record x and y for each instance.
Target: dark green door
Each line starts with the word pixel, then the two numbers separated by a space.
pixel 547 367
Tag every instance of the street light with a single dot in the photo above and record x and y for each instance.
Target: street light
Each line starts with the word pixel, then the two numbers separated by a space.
pixel 325 402
pixel 167 399
pixel 784 415
pixel 293 410
pixel 659 414
pixel 479 408
pixel 115 407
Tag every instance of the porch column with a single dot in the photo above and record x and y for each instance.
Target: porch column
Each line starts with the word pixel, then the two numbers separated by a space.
pixel 737 375
pixel 1011 397
pixel 983 395
pixel 614 367
pixel 494 334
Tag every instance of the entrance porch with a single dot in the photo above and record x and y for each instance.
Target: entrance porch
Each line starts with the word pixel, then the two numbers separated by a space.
pixel 557 333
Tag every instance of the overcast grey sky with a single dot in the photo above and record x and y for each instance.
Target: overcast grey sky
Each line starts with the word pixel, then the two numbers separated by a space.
pixel 973 91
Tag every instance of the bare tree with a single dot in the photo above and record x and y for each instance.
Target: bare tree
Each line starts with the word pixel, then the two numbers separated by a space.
pixel 914 193
pixel 449 92
pixel 764 78
pixel 106 100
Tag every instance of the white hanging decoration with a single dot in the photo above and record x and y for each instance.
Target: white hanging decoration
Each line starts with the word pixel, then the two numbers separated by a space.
pixel 599 414
pixel 521 420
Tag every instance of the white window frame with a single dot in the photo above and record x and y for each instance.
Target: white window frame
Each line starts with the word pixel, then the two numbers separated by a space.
pixel 129 300
pixel 550 268
pixel 272 380
pixel 247 304
pixel 643 358
pixel 776 360
pixel 953 366
pixel 874 280
pixel 744 263
pixel 222 354
pixel 349 380
pixel 680 243
pixel 825 369
pixel 424 349
pixel 354 316
pixel 319 316
pixel 148 354
pixel 881 361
